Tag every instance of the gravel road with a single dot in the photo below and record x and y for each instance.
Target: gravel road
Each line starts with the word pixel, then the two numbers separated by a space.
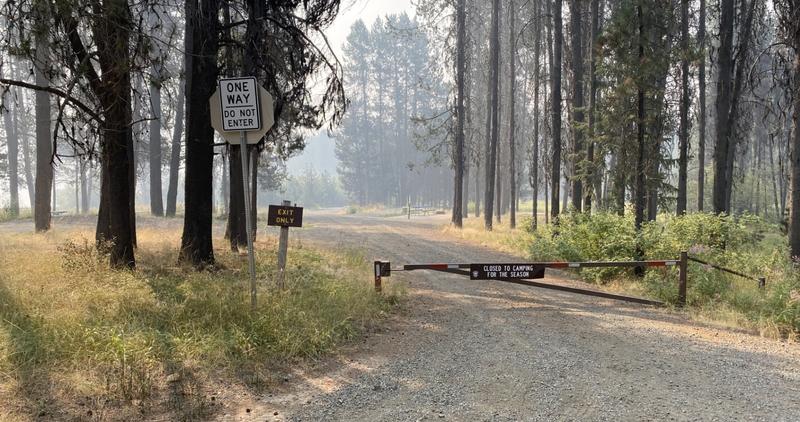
pixel 492 351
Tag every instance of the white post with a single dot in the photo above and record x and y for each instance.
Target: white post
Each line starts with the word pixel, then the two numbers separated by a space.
pixel 248 221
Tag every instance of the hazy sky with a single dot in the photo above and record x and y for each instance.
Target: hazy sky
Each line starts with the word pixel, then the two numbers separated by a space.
pixel 367 10
pixel 319 151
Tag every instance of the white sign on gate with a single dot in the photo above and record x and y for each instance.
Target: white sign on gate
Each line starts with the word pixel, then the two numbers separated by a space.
pixel 239 103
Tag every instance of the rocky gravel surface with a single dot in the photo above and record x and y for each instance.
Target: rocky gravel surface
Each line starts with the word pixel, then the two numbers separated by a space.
pixel 492 351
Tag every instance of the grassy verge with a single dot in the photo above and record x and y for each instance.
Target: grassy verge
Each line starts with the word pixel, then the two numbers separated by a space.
pixel 78 339
pixel 745 244
pixel 6 215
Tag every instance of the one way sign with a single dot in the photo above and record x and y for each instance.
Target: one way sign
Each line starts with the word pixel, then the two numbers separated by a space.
pixel 240 104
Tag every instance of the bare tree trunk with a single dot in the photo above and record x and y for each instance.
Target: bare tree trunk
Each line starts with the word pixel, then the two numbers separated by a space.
pixel 640 131
pixel 477 188
pixel 491 146
pixel 512 57
pixel 44 140
pixel 460 77
pixel 84 188
pixel 794 212
pixel 701 136
pixel 175 153
pixel 534 168
pixel 558 42
pixel 116 225
pixel 577 103
pixel 683 131
pixel 12 143
pixel 156 195
pixel 201 74
pixel 592 175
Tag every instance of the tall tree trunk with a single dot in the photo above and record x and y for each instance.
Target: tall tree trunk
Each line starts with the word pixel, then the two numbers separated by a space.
pixel 477 188
pixel 84 187
pixel 115 97
pixel 794 212
pixel 175 152
pixel 44 139
pixel 156 196
pixel 12 143
pixel 729 88
pixel 640 193
pixel 723 103
pixel 201 74
pixel 683 131
pixel 236 229
pixel 512 142
pixel 701 120
pixel 555 92
pixel 461 22
pixel 577 103
pixel 592 175
pixel 494 88
pixel 534 168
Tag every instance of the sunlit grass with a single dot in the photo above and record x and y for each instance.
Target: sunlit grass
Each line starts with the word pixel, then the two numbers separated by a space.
pixel 65 316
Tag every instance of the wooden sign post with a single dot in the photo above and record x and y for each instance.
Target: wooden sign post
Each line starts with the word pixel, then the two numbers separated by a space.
pixel 284 216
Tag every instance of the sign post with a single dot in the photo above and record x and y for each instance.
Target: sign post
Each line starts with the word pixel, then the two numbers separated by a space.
pixel 284 216
pixel 242 107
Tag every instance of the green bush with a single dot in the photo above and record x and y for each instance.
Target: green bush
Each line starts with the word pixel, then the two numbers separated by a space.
pixel 743 243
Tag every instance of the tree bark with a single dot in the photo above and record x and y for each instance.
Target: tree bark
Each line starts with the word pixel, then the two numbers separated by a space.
pixel 202 39
pixel 461 38
pixel 491 145
pixel 175 153
pixel 577 103
pixel 512 143
pixel 156 195
pixel 794 212
pixel 44 140
pixel 115 97
pixel 558 42
pixel 701 120
pixel 591 172
pixel 12 143
pixel 683 131
pixel 640 131
pixel 534 169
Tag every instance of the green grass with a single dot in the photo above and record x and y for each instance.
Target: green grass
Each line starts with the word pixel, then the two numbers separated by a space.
pixel 72 327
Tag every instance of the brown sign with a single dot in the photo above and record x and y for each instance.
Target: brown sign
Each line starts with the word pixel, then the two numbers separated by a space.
pixel 285 216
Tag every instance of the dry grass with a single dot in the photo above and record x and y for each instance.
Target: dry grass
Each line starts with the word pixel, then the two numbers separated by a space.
pixel 501 238
pixel 81 341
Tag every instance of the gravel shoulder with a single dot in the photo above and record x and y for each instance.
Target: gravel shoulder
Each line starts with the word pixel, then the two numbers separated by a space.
pixel 465 350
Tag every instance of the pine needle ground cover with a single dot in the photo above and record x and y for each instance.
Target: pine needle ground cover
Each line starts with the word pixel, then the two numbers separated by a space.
pixel 81 341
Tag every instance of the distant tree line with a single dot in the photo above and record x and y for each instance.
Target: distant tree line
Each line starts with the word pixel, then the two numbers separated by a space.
pixel 392 142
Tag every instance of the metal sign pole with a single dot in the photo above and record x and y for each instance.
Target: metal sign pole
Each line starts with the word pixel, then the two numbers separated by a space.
pixel 248 221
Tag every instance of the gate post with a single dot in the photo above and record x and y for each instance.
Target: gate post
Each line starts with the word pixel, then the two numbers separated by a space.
pixel 682 267
pixel 377 268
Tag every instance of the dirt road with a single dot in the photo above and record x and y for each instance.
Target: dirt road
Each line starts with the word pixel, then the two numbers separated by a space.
pixel 467 350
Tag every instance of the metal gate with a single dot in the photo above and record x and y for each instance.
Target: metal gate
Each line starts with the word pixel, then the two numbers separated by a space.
pixel 524 273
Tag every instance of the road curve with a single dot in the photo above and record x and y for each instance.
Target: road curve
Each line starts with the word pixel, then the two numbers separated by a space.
pixel 493 351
